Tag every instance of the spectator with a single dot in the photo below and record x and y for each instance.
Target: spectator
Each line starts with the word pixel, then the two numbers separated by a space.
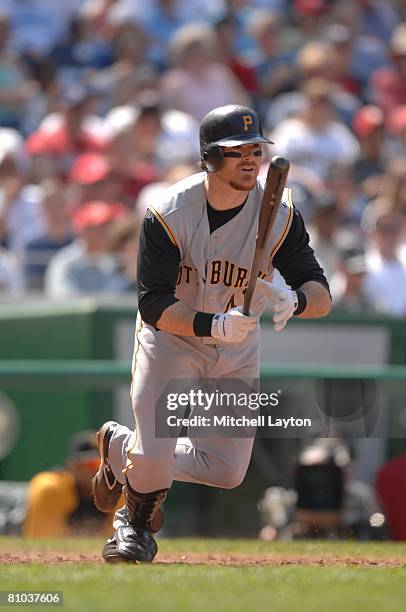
pixel 311 61
pixel 125 235
pixel 386 277
pixel 82 48
pixel 130 45
pixel 38 24
pixel 324 232
pixel 377 19
pixel 347 284
pixel 339 39
pixel 161 21
pixel 240 12
pixel 393 193
pixel 274 71
pixel 350 203
pixel 368 168
pixel 57 234
pixel 391 198
pixel 142 125
pixel 59 501
pixel 133 147
pixel 88 266
pixel 43 96
pixel 388 85
pixel 367 53
pixel 15 87
pixel 197 83
pixel 92 177
pixel 173 135
pixel 225 30
pixel 130 72
pixel 145 140
pixel 305 191
pixel 308 18
pixel 74 129
pixel 316 59
pixel 20 218
pixel 396 123
pixel 391 490
pixel 315 139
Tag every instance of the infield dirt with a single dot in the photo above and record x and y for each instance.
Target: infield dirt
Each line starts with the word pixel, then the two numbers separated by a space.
pixel 56 558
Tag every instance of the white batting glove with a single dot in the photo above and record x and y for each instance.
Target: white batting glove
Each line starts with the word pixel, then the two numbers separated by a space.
pixel 283 301
pixel 232 326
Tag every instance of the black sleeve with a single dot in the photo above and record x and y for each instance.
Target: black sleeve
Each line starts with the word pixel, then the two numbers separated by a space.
pixel 295 259
pixel 157 270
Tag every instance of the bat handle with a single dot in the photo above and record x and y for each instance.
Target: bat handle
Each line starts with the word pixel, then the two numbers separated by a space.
pixel 247 300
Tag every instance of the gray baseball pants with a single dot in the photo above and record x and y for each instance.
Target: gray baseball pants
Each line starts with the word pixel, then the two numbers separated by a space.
pixel 152 463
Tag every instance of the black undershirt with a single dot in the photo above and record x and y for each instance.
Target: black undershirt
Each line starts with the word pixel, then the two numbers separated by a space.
pixel 217 218
pixel 159 261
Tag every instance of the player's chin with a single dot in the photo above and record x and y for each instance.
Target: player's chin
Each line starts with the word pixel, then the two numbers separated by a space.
pixel 243 185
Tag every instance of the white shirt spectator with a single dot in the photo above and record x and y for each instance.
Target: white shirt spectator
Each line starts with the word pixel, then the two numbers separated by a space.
pixel 385 284
pixel 72 271
pixel 317 151
pixel 24 221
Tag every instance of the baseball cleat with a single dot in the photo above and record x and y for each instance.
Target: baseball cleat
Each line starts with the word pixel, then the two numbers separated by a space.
pixel 130 545
pixel 133 542
pixel 106 488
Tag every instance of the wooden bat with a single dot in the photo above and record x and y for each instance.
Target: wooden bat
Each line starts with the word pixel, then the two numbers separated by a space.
pixel 274 186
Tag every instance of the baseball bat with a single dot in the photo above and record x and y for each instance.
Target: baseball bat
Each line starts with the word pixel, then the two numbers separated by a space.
pixel 271 199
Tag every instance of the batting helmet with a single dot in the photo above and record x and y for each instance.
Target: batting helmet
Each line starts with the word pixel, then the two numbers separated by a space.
pixel 228 126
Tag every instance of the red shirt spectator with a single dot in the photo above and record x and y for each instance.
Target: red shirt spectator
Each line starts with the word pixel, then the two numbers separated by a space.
pixel 391 489
pixel 71 131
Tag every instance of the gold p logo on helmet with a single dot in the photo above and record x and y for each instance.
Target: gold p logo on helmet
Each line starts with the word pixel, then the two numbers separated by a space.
pixel 247 119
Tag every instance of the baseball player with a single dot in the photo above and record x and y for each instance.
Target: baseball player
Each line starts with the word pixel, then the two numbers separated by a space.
pixel 196 249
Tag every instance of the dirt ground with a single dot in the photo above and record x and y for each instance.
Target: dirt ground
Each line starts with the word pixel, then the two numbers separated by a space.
pixel 57 558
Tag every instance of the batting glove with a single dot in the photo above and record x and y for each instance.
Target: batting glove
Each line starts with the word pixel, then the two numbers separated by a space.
pixel 232 326
pixel 283 301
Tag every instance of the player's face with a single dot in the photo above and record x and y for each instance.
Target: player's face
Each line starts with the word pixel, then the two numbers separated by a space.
pixel 240 166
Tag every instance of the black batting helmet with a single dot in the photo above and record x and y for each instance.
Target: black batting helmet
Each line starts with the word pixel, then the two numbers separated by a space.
pixel 228 126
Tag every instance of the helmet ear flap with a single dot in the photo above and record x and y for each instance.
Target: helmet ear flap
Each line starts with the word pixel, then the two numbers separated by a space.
pixel 212 158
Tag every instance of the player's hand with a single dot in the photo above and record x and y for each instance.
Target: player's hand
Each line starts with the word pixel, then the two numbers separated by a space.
pixel 232 326
pixel 283 301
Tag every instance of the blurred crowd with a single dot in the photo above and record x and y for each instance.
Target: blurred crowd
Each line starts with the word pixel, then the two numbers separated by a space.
pixel 100 104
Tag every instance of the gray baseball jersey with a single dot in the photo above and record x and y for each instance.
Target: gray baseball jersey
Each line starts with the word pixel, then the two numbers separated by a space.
pixel 213 273
pixel 215 267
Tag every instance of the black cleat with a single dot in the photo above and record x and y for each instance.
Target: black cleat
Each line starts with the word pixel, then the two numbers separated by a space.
pixel 130 545
pixel 106 488
pixel 134 542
